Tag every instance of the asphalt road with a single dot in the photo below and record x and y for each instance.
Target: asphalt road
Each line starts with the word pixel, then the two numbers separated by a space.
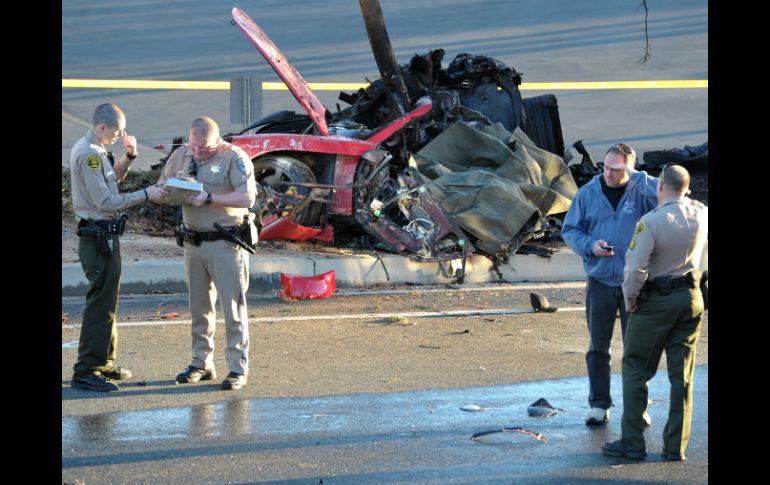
pixel 548 41
pixel 350 401
pixel 401 437
pixel 368 399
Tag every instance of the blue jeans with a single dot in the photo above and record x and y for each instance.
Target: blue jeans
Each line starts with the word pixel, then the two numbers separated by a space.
pixel 603 303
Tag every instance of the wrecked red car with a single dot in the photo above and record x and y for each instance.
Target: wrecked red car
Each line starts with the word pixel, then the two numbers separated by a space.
pixel 350 176
pixel 339 172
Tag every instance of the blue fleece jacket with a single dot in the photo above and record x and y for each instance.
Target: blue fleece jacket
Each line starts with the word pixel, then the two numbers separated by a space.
pixel 591 217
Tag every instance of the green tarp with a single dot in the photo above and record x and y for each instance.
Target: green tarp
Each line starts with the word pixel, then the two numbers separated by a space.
pixel 489 189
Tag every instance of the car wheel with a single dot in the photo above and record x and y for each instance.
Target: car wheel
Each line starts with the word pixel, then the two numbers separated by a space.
pixel 279 172
pixel 542 123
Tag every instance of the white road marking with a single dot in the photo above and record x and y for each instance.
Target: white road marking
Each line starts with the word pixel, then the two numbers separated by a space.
pixel 375 291
pixel 355 316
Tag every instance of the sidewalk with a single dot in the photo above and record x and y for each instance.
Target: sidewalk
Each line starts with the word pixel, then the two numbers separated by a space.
pixel 156 264
pixel 351 271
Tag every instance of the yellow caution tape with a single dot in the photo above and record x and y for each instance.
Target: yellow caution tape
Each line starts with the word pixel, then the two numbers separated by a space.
pixel 142 84
pixel 279 86
pixel 696 83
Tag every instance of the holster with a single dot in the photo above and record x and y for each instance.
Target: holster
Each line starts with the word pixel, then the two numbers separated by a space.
pixel 100 238
pixel 704 289
pixel 663 284
pixel 183 234
pixel 248 230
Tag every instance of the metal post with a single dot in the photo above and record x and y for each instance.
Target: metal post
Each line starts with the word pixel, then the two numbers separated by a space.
pixel 382 50
pixel 246 98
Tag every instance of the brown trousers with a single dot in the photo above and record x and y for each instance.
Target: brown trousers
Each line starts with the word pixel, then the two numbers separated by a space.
pixel 218 268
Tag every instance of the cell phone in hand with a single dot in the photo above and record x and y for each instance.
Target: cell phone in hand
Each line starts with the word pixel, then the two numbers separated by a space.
pixel 609 248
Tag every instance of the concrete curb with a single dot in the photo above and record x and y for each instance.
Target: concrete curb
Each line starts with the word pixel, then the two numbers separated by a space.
pixel 351 271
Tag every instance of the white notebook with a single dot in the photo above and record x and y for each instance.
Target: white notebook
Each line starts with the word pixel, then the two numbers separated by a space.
pixel 179 189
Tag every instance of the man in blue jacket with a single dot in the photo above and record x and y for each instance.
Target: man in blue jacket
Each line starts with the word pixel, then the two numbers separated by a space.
pixel 598 227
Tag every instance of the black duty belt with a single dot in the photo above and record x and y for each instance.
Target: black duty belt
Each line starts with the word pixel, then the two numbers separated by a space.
pixel 196 238
pixel 210 236
pixel 664 284
pixel 117 226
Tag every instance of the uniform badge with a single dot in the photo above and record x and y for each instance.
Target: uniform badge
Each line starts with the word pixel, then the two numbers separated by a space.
pixel 94 162
pixel 632 245
pixel 216 168
pixel 242 167
pixel 639 228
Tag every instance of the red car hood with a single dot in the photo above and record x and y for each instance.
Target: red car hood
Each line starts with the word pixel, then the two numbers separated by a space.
pixel 298 87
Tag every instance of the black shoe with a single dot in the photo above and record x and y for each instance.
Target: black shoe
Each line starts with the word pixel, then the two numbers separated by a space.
pixel 668 456
pixel 234 381
pixel 616 448
pixel 195 374
pixel 94 382
pixel 117 373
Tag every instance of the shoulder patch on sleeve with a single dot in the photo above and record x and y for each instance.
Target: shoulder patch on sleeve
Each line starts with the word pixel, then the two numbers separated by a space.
pixel 242 166
pixel 94 162
pixel 632 245
pixel 639 228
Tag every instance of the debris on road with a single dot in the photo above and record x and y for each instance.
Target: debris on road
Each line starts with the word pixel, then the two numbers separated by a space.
pixel 517 429
pixel 541 408
pixel 308 287
pixel 540 303
pixel 690 157
pixel 472 408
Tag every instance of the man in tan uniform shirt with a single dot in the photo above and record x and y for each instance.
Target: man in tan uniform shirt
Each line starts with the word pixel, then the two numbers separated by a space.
pixel 215 266
pixel 661 289
pixel 97 203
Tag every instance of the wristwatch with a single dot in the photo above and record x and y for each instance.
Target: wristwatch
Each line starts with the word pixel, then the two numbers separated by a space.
pixel 208 199
pixel 131 157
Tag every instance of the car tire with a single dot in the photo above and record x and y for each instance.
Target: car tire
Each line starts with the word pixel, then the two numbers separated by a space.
pixel 272 169
pixel 542 123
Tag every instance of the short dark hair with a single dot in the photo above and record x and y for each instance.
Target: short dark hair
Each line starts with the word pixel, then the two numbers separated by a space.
pixel 622 149
pixel 675 177
pixel 204 126
pixel 108 114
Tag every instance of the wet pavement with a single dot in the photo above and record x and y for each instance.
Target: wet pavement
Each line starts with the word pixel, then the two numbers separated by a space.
pixel 415 437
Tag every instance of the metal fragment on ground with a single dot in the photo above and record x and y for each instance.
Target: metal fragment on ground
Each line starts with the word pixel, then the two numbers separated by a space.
pixel 517 429
pixel 472 408
pixel 541 408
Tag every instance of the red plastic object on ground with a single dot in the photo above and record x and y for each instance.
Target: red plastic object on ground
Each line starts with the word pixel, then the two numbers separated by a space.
pixel 308 287
pixel 284 228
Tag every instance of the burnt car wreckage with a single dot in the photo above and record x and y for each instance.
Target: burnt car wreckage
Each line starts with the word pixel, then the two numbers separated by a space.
pixel 369 172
